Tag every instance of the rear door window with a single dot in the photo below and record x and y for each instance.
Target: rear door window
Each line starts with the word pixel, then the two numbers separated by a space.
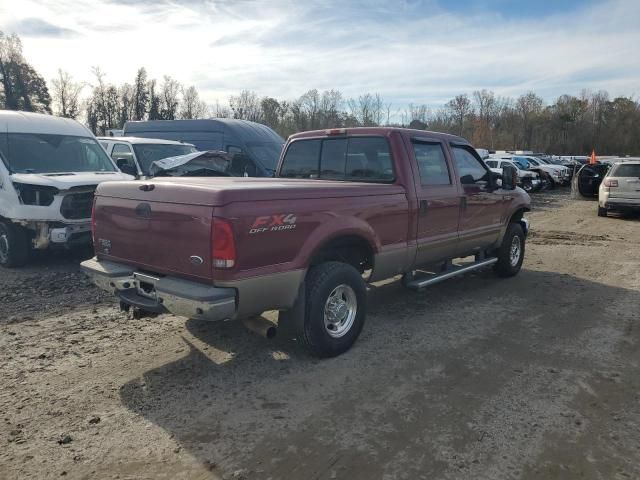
pixel 431 163
pixel 357 158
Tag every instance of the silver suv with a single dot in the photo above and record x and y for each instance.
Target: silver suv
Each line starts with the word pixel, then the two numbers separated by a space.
pixel 620 188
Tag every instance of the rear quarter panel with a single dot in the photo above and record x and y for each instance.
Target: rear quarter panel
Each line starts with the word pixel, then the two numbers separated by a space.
pixel 282 235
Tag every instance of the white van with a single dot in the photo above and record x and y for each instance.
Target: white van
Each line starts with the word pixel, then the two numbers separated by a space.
pixel 49 169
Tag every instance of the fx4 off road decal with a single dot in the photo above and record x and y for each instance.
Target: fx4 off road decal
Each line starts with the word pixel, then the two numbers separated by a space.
pixel 273 223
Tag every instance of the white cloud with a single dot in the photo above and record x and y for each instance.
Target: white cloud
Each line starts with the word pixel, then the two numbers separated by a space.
pixel 406 51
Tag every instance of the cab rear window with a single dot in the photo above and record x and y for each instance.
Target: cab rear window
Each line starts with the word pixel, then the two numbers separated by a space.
pixel 361 159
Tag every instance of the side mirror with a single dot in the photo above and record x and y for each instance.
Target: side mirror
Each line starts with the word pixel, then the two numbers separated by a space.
pixel 509 178
pixel 125 167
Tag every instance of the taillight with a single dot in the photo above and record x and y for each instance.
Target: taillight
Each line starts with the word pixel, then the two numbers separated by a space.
pixel 93 221
pixel 610 182
pixel 223 244
pixel 336 131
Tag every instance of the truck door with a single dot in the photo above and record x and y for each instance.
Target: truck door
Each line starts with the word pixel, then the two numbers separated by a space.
pixel 482 207
pixel 438 202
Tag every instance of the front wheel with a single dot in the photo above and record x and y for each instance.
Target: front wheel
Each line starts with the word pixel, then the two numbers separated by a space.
pixel 334 309
pixel 511 252
pixel 527 186
pixel 14 245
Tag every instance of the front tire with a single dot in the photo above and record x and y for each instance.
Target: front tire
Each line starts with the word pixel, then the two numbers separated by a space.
pixel 334 309
pixel 602 212
pixel 14 245
pixel 511 252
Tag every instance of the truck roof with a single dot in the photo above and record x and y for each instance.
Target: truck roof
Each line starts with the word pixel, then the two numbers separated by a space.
pixel 380 131
pixel 28 122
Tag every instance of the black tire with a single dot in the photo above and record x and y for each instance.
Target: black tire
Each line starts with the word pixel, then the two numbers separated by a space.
pixel 14 245
pixel 506 267
pixel 602 212
pixel 307 321
pixel 527 186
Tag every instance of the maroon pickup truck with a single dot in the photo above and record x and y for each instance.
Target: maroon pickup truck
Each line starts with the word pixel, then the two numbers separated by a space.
pixel 349 206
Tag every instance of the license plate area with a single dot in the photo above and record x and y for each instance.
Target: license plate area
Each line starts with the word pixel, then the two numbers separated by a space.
pixel 145 285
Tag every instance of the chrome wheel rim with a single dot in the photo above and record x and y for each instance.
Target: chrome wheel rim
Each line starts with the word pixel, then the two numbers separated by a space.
pixel 340 311
pixel 4 247
pixel 515 250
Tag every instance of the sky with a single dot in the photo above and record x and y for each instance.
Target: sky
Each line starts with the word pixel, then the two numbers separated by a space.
pixel 409 51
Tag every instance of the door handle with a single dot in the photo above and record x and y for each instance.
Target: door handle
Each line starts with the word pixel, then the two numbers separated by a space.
pixel 424 206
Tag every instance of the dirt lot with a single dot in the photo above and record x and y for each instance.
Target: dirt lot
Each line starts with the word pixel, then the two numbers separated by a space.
pixel 530 377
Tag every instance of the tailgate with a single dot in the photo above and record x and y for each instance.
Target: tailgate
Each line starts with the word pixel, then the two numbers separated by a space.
pixel 627 188
pixel 160 237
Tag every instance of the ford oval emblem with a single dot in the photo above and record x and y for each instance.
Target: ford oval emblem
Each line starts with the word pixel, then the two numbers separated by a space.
pixel 196 260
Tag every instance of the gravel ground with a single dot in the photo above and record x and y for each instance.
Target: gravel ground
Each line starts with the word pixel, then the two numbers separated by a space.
pixel 478 377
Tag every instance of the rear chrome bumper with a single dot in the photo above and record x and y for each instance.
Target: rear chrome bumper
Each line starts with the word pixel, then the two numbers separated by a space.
pixel 162 294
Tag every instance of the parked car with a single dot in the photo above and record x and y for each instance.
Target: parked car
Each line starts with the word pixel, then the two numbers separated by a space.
pixel 620 189
pixel 348 202
pixel 552 175
pixel 135 155
pixel 529 181
pixel 559 173
pixel 258 145
pixel 49 169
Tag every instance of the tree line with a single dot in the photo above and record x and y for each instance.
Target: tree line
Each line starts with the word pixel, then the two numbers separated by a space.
pixel 570 125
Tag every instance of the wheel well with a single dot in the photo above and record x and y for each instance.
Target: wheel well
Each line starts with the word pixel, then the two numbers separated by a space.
pixel 517 216
pixel 351 249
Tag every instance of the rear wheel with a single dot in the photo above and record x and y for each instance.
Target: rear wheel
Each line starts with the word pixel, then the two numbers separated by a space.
pixel 511 252
pixel 334 309
pixel 602 212
pixel 14 245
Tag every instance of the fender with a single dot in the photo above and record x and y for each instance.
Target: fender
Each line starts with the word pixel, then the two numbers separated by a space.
pixel 328 231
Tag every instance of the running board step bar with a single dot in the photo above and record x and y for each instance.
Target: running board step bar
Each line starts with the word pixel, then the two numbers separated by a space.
pixel 454 271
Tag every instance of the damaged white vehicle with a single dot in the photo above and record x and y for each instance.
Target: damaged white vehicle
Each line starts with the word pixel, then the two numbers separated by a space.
pixel 49 170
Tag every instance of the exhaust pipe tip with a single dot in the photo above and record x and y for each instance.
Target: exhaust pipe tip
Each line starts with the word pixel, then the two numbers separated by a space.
pixel 261 326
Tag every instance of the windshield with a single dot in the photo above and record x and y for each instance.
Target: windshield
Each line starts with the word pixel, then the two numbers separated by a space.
pixel 147 153
pixel 267 154
pixel 45 153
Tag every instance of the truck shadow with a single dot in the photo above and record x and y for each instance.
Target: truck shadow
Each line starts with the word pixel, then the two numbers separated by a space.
pixel 236 400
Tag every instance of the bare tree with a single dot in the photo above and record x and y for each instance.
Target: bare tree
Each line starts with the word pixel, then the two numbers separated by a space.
pixel 246 106
pixel 460 107
pixel 368 109
pixel 169 98
pixel 220 111
pixel 66 95
pixel 191 106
